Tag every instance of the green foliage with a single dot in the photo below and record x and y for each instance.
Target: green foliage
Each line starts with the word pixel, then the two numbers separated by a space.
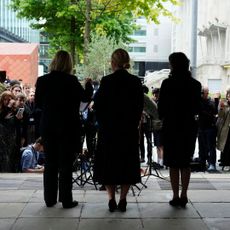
pixel 99 56
pixel 150 9
pixel 64 20
pixel 54 17
pixel 115 26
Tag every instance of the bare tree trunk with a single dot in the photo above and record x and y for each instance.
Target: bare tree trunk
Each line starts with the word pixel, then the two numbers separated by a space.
pixel 87 28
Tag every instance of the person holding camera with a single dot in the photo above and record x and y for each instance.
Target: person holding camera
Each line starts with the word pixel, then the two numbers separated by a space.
pixel 11 118
pixel 30 157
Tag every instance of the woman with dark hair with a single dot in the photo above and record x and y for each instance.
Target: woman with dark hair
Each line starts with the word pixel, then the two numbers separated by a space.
pixel 179 103
pixel 8 137
pixel 58 96
pixel 118 105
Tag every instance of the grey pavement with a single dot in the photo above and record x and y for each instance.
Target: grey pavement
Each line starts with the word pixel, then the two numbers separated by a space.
pixel 22 206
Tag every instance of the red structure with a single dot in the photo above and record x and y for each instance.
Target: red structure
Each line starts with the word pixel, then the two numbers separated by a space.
pixel 20 61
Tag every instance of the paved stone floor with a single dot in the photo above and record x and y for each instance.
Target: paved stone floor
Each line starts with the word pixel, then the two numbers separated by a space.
pixel 22 206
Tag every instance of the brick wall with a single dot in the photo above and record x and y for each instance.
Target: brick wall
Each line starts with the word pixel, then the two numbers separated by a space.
pixel 21 66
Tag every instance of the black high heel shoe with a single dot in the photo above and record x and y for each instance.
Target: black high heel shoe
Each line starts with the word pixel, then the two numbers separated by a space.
pixel 175 202
pixel 112 205
pixel 183 201
pixel 122 205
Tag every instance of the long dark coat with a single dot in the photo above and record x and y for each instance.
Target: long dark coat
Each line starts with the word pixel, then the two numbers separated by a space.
pixel 179 102
pixel 118 106
pixel 58 96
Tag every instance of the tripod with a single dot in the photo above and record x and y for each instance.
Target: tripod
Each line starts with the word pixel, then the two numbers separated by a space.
pixel 83 168
pixel 151 170
pixel 84 171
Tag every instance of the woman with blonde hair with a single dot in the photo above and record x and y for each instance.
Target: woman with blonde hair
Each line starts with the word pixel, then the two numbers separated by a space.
pixel 58 96
pixel 118 105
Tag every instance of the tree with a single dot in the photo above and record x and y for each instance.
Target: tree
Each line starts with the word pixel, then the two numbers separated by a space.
pixel 99 55
pixel 70 22
pixel 57 18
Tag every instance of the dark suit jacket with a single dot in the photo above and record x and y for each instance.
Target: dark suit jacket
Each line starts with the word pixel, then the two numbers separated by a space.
pixel 58 96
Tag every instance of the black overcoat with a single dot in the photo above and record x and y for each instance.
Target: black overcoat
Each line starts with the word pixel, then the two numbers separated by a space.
pixel 179 103
pixel 118 106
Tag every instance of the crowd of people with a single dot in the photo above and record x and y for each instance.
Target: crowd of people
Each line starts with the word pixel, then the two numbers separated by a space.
pixel 43 131
pixel 17 123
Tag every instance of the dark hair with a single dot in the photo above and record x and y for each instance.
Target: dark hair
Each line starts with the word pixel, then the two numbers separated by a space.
pixel 156 90
pixel 145 89
pixel 15 86
pixel 179 62
pixel 14 82
pixel 39 141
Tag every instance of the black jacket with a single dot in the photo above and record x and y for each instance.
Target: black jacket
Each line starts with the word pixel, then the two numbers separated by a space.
pixel 58 96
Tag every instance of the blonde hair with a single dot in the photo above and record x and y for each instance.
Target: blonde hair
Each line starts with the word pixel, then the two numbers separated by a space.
pixel 62 62
pixel 120 57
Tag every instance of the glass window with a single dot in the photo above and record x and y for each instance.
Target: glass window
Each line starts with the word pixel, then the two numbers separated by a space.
pixel 155 48
pixel 141 32
pixel 130 49
pixel 137 49
pixel 156 31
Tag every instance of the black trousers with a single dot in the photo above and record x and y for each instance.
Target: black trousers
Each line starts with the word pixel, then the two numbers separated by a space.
pixel 225 155
pixel 58 171
pixel 146 132
pixel 207 145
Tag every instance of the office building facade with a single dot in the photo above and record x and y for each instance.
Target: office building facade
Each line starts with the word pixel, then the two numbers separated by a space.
pixel 152 45
pixel 13 29
pixel 213 40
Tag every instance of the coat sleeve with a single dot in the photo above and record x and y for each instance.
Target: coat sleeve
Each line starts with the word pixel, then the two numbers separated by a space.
pixel 87 93
pixel 150 107
pixel 98 102
pixel 162 100
pixel 39 94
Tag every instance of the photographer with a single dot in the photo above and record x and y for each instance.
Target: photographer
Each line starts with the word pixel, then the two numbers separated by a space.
pixel 10 121
pixel 30 158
